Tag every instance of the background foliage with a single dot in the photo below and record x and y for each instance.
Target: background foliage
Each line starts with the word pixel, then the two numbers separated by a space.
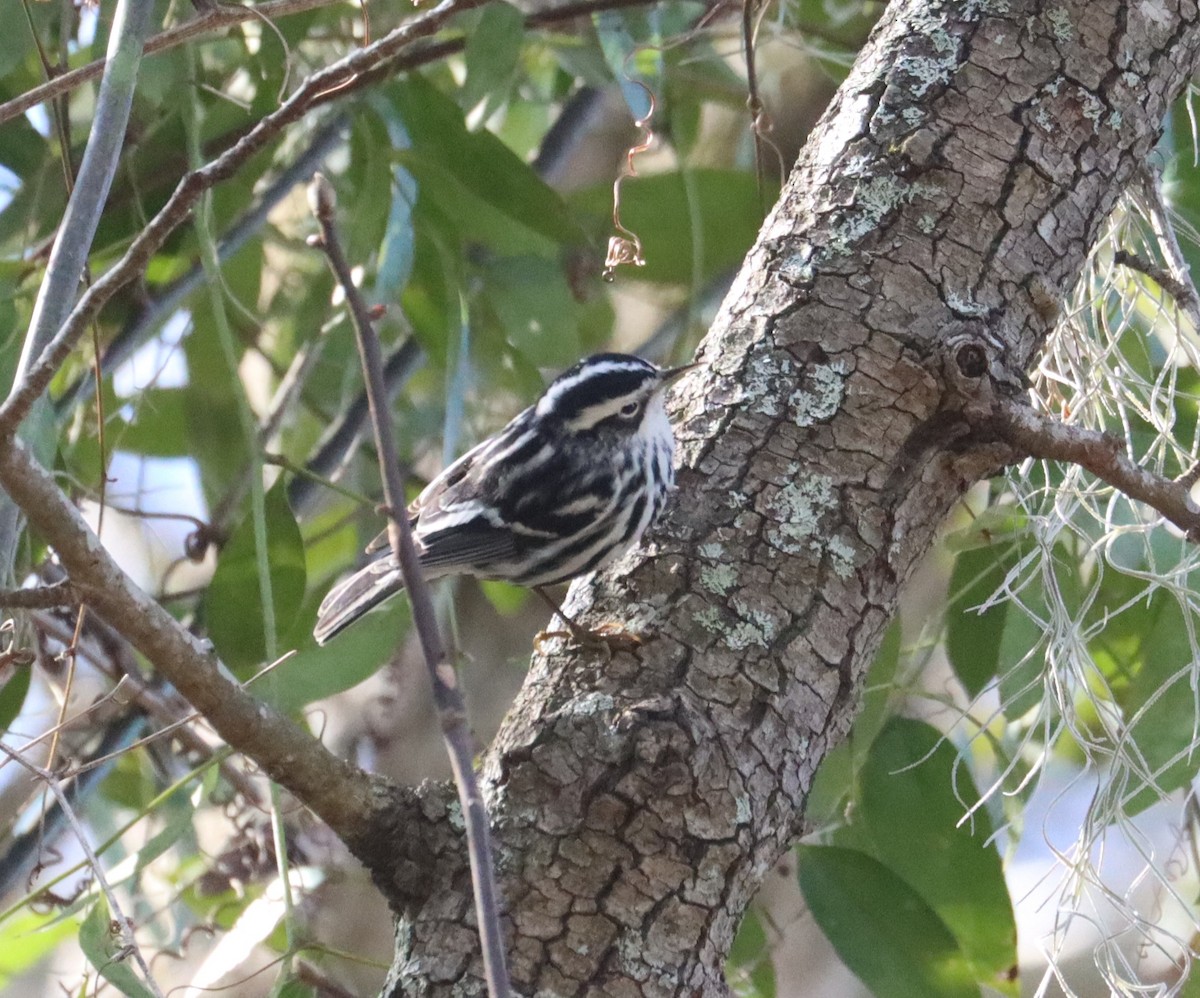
pixel 476 196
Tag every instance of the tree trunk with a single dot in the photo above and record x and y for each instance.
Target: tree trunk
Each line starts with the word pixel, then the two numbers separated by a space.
pixel 940 211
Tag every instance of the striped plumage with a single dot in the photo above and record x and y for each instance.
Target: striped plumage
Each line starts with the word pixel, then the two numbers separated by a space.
pixel 566 487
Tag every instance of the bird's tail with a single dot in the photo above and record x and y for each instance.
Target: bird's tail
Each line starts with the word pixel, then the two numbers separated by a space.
pixel 353 597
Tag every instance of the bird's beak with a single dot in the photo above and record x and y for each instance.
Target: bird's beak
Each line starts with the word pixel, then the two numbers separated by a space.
pixel 671 373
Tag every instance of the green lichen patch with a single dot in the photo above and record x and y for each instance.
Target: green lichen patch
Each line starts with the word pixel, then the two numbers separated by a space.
pixel 820 399
pixel 797 509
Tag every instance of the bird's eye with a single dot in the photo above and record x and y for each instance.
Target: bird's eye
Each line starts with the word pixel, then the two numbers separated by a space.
pixel 630 409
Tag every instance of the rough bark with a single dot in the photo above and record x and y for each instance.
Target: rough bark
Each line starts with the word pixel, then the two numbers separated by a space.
pixel 939 212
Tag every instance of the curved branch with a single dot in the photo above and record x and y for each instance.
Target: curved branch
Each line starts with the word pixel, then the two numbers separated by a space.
pixel 1034 434
pixel 339 793
pixel 214 19
pixel 194 184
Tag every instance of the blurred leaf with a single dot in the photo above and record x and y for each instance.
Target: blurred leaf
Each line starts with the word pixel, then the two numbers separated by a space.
pixel 449 161
pixel 233 604
pixel 158 426
pixel 290 987
pixel 881 928
pixel 26 938
pixel 535 307
pixel 662 210
pixel 1161 706
pixel 750 969
pixel 215 438
pixel 837 778
pixel 492 52
pixel 370 176
pixel 914 794
pixel 506 598
pixel 102 947
pixel 973 636
pixel 314 673
pixel 12 695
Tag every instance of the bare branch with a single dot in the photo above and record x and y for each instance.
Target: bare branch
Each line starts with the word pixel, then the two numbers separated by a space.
pixel 226 15
pixel 194 184
pixel 122 920
pixel 40 597
pixel 1033 434
pixel 213 20
pixel 447 696
pixel 338 792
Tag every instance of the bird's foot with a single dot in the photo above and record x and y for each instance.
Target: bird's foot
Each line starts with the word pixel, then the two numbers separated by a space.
pixel 609 638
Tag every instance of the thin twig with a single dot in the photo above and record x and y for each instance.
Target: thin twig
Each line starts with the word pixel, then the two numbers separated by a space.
pixel 125 926
pixel 219 17
pixel 195 183
pixel 447 696
pixel 339 439
pixel 1033 434
pixel 40 597
pixel 169 299
pixel 165 708
pixel 68 256
pixel 1184 295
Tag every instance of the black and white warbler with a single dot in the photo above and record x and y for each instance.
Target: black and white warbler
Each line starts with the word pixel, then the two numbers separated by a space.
pixel 566 487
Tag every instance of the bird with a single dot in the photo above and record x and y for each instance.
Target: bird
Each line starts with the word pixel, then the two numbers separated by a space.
pixel 566 487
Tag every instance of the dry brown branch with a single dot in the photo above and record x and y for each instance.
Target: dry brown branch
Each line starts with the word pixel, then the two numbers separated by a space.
pixel 40 597
pixel 1033 434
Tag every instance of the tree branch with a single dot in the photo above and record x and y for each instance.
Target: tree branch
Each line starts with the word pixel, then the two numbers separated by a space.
pixel 339 793
pixel 40 597
pixel 447 695
pixel 218 17
pixel 69 254
pixel 1034 434
pixel 227 15
pixel 195 183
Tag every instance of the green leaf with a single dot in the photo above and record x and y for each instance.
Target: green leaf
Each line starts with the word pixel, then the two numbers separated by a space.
pixel 215 441
pixel 12 695
pixel 881 928
pixel 481 167
pixel 158 426
pixel 287 986
pixel 837 777
pixel 530 297
pixel 751 972
pixel 233 604
pixel 315 672
pixel 692 226
pixel 973 636
pixel 102 947
pixel 26 938
pixel 1160 706
pixel 492 53
pixel 914 794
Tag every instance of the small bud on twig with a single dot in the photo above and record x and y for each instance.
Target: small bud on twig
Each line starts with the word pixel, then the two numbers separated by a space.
pixel 322 200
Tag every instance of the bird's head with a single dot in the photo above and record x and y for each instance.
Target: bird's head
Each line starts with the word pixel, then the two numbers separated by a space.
pixel 609 392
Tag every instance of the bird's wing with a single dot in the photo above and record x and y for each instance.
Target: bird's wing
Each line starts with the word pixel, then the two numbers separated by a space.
pixel 432 495
pixel 469 534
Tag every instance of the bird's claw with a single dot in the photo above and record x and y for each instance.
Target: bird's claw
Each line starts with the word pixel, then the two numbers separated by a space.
pixel 609 638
